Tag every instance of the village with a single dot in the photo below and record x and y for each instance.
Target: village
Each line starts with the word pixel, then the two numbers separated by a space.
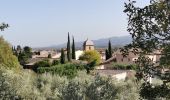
pixel 112 66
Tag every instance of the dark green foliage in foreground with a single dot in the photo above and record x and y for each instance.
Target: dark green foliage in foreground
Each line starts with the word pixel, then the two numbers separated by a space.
pixel 151 92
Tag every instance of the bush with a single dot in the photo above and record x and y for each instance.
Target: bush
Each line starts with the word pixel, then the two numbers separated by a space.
pixel 69 70
pixel 44 63
pixel 55 62
pixel 123 66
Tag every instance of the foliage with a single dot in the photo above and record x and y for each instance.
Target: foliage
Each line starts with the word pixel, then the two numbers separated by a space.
pixel 55 62
pixel 28 51
pixel 23 58
pixel 90 66
pixel 27 85
pixel 62 57
pixel 124 66
pixel 68 49
pixel 91 56
pixel 68 70
pixel 7 59
pixel 150 30
pixel 44 63
pixel 3 26
pixel 151 92
pixel 101 89
pixel 24 55
pixel 73 50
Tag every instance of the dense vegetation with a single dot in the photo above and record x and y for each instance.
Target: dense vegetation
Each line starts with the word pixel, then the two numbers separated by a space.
pixel 28 85
pixel 70 70
pixel 7 59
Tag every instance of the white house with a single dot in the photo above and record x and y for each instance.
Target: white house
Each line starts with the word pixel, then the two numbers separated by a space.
pixel 78 54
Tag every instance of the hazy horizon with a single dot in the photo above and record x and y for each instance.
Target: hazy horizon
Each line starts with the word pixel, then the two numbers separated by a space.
pixel 44 23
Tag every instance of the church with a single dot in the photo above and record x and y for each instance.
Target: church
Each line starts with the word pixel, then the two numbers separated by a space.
pixel 88 45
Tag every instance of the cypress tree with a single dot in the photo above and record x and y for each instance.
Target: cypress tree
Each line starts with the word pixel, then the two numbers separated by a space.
pixel 110 49
pixel 73 50
pixel 107 54
pixel 68 48
pixel 62 57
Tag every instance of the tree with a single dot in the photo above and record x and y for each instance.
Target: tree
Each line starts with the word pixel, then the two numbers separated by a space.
pixel 7 59
pixel 68 49
pixel 49 56
pixel 24 55
pixel 19 49
pixel 90 66
pixel 62 57
pixel 107 54
pixel 3 26
pixel 109 49
pixel 149 27
pixel 73 50
pixel 28 51
pixel 90 56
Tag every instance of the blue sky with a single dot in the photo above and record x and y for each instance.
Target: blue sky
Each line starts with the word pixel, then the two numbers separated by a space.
pixel 39 23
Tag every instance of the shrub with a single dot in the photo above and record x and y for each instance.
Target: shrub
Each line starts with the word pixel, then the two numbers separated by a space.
pixel 55 62
pixel 123 66
pixel 69 70
pixel 44 63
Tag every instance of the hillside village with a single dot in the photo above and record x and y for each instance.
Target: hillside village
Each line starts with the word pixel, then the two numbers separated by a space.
pixel 106 66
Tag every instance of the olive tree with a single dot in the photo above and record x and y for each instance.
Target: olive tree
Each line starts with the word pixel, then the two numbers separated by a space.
pixel 149 27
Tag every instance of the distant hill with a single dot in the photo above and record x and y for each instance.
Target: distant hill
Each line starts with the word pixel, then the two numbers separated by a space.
pixel 101 43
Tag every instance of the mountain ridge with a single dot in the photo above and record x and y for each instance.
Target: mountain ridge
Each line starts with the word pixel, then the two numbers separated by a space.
pixel 101 43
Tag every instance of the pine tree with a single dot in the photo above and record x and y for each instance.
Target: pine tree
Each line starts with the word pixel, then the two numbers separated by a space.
pixel 62 57
pixel 68 49
pixel 73 50
pixel 109 49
